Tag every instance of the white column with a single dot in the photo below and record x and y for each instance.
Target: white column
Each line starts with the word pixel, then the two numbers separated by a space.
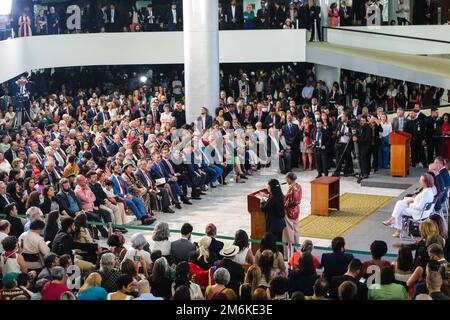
pixel 201 56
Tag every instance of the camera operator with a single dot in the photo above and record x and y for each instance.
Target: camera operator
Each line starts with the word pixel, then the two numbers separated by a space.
pixel 343 136
pixel 364 138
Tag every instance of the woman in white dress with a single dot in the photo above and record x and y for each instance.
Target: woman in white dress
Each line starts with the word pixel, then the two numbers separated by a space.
pixel 413 206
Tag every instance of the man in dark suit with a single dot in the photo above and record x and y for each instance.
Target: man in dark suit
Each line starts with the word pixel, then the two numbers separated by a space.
pixel 429 12
pixel 291 133
pixel 150 18
pixel 236 271
pixel 353 274
pixel 433 128
pixel 145 178
pixel 272 120
pixel 336 263
pixel 364 140
pixel 183 249
pixel 262 17
pixel 159 171
pixel 356 109
pixel 399 122
pixel 259 115
pixel 12 152
pixel 91 114
pixel 443 172
pixel 303 15
pixel 114 20
pixel 315 18
pixel 98 150
pixel 173 19
pixel 204 121
pixel 102 116
pixel 5 198
pixel 375 141
pixel 321 142
pixel 182 181
pixel 345 14
pixel 416 128
pixel 234 16
pixel 113 148
pixel 102 17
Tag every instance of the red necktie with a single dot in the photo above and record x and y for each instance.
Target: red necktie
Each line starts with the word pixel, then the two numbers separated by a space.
pixel 170 167
pixel 121 185
pixel 148 180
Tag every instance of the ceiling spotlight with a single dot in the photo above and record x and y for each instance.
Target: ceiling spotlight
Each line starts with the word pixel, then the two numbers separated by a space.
pixel 5 7
pixel 143 79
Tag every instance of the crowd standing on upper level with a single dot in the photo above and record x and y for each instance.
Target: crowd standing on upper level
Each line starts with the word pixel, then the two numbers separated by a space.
pixel 279 14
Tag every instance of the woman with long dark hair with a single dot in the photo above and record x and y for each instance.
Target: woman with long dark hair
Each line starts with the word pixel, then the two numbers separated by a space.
pixel 15 191
pixel 51 226
pixel 49 203
pixel 304 276
pixel 182 279
pixel 273 208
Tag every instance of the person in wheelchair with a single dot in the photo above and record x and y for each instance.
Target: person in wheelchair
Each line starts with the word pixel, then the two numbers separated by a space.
pixel 414 207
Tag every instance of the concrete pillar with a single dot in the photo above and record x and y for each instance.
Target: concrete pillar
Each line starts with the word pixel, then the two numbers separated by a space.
pixel 201 56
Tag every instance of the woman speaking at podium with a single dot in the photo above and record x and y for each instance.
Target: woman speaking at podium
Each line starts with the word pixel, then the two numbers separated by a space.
pixel 273 208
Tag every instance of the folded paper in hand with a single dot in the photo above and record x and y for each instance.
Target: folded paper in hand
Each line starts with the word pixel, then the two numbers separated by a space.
pixel 160 181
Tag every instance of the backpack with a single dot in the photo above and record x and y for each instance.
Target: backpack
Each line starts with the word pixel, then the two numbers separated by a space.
pixel 203 278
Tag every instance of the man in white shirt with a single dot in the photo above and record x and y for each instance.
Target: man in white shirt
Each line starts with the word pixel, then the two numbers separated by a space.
pixel 5 227
pixel 172 19
pixel 307 91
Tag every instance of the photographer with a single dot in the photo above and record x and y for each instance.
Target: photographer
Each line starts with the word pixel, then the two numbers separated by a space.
pixel 343 136
pixel 364 137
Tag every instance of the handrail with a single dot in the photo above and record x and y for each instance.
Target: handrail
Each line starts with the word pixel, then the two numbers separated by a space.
pixel 386 34
pixel 148 229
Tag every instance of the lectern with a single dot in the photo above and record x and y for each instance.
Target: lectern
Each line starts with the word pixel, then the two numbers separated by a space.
pixel 400 153
pixel 258 221
pixel 325 195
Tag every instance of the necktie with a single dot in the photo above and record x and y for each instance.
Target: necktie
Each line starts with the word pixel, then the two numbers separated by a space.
pixel 170 166
pixel 6 198
pixel 38 157
pixel 122 188
pixel 160 170
pixel 149 182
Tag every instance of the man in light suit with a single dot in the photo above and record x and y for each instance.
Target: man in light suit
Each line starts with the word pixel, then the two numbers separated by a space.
pixel 399 122
pixel 204 121
pixel 183 249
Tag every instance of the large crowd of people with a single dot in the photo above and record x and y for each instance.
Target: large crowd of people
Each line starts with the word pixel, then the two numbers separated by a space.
pixel 83 161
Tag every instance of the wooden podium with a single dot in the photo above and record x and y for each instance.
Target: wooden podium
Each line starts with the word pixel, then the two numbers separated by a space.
pixel 325 195
pixel 400 153
pixel 258 220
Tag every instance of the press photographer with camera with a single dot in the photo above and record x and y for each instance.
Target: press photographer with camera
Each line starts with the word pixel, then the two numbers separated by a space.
pixel 344 145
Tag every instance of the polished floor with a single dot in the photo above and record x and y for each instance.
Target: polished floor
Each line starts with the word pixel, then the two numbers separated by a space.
pixel 226 207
